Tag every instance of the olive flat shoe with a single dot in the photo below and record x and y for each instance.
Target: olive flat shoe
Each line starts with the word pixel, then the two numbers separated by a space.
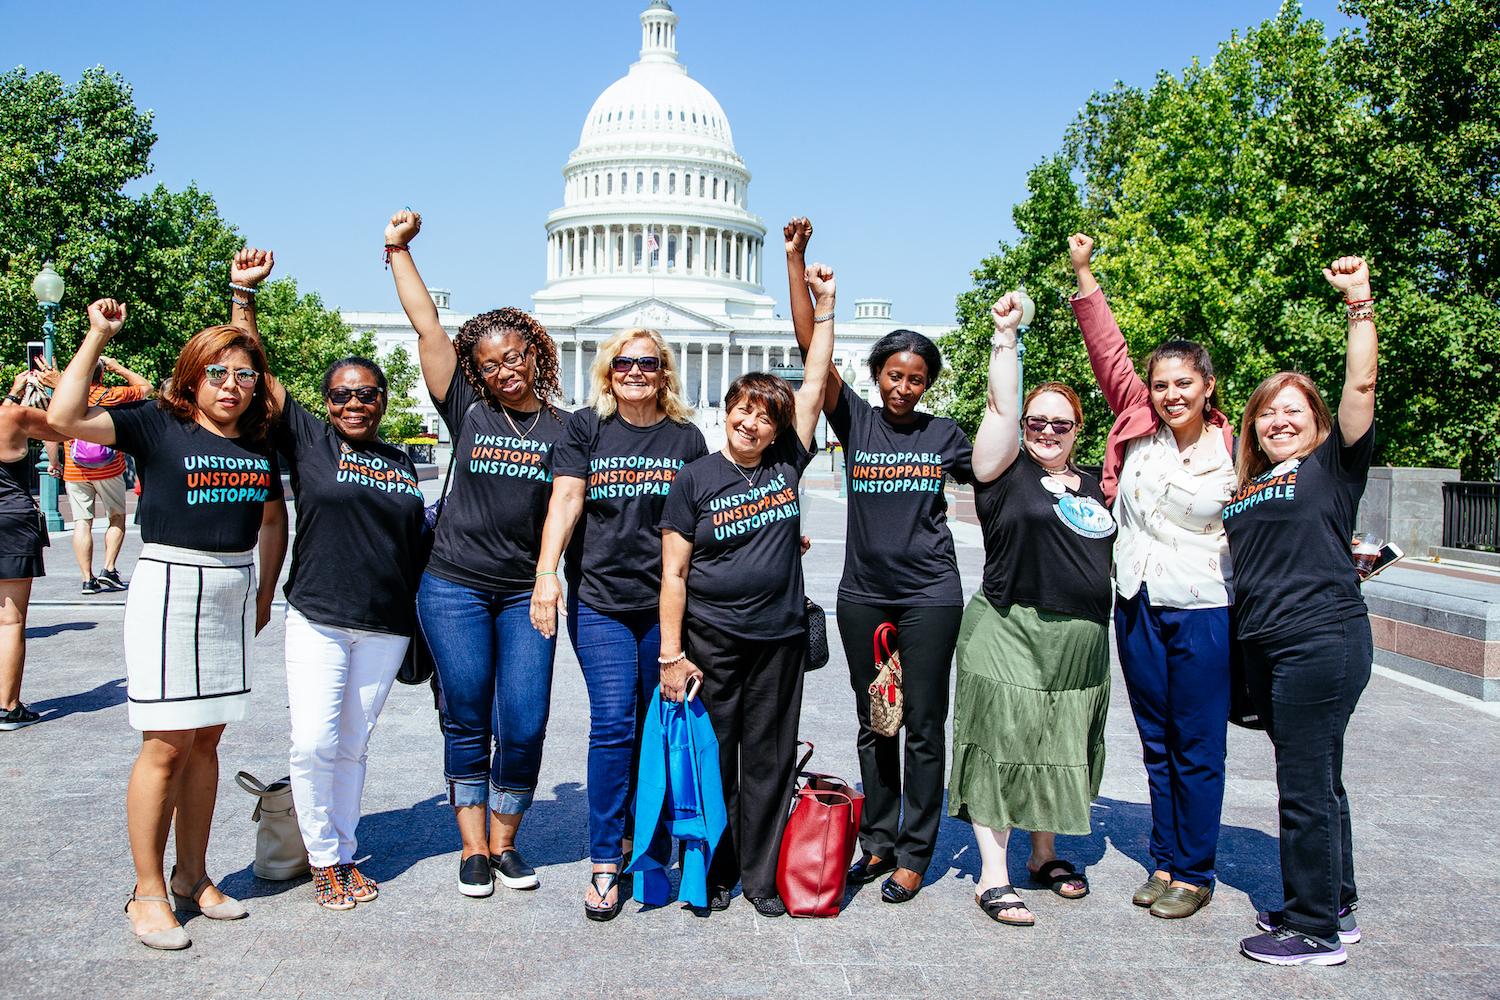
pixel 1182 901
pixel 1149 892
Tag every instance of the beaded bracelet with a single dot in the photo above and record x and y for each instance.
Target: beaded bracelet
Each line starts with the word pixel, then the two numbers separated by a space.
pixel 669 660
pixel 826 317
pixel 242 288
pixel 247 303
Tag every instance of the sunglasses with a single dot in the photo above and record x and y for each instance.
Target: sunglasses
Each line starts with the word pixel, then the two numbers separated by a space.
pixel 1037 425
pixel 647 365
pixel 216 374
pixel 367 394
pixel 514 360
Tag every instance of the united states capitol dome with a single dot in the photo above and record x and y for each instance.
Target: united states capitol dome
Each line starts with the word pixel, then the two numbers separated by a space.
pixel 656 101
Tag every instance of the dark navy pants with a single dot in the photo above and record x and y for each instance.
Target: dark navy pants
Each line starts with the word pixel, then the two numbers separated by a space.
pixel 1176 667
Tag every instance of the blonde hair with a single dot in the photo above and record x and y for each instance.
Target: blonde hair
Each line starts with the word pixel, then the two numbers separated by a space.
pixel 669 391
pixel 1252 461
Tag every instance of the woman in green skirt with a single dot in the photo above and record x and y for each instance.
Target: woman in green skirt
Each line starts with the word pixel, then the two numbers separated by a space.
pixel 1033 654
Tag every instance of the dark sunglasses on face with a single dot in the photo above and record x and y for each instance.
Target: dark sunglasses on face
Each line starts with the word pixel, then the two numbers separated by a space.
pixel 514 360
pixel 367 394
pixel 216 374
pixel 623 364
pixel 1037 425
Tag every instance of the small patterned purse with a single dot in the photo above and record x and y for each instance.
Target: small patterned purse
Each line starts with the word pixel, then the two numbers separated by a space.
pixel 886 699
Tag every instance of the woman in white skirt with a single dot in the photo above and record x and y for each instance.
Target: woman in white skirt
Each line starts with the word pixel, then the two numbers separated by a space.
pixel 351 607
pixel 203 453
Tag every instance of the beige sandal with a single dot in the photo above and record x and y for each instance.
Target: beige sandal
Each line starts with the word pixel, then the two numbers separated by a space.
pixel 167 939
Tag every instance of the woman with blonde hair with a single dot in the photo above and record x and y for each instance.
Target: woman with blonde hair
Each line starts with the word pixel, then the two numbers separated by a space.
pixel 613 469
pixel 1302 622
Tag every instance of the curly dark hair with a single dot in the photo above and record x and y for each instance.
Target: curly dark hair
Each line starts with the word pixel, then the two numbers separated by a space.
pixel 498 322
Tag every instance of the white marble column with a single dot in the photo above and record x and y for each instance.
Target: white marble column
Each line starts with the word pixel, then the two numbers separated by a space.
pixel 703 378
pixel 724 369
pixel 744 359
pixel 578 373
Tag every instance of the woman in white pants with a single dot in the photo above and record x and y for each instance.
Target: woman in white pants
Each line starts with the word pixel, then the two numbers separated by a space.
pixel 350 598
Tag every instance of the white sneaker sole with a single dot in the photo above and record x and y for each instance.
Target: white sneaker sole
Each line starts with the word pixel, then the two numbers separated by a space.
pixel 477 891
pixel 1332 958
pixel 524 883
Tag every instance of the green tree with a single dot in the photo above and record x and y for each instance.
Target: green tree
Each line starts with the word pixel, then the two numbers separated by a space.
pixel 401 419
pixel 1216 196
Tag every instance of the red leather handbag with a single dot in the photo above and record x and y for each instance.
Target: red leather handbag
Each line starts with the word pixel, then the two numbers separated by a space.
pixel 818 843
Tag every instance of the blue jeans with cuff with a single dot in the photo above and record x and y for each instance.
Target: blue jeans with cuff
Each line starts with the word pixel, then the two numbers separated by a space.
pixel 495 673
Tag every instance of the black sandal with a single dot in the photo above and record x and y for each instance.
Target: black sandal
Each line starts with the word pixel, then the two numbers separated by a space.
pixel 610 910
pixel 1057 873
pixel 994 906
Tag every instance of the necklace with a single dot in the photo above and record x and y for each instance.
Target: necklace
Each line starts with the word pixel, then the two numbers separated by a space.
pixel 505 412
pixel 749 480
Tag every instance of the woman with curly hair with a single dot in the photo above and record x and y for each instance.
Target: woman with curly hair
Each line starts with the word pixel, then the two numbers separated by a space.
pixel 614 469
pixel 493 386
pixel 204 447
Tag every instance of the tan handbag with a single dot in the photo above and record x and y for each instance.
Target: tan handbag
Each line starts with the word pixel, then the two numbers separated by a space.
pixel 886 699
pixel 279 851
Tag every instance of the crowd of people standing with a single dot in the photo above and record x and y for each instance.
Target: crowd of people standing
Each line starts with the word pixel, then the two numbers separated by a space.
pixel 679 569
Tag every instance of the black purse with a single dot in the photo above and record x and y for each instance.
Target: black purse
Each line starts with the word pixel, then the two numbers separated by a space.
pixel 817 636
pixel 418 666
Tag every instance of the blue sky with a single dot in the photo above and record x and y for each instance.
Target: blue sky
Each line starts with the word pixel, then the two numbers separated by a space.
pixel 905 130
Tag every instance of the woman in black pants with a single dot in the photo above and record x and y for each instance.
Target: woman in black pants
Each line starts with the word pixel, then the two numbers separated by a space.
pixel 1302 622
pixel 896 460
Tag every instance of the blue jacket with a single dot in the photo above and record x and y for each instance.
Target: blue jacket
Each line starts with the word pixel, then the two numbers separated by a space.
pixel 678 793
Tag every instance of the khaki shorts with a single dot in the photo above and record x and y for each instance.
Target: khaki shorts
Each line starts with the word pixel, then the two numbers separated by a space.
pixel 108 494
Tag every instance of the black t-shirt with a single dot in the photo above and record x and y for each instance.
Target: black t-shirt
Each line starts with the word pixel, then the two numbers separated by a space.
pixel 198 490
pixel 1046 546
pixel 627 473
pixel 491 527
pixel 898 549
pixel 1290 535
pixel 745 576
pixel 359 521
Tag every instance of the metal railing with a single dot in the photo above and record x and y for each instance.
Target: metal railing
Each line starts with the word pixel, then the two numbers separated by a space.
pixel 1471 516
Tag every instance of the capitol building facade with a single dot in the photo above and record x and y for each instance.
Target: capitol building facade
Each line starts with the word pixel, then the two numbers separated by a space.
pixel 655 230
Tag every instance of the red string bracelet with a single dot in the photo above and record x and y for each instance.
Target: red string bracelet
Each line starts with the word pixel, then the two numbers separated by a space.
pixel 391 248
pixel 1347 302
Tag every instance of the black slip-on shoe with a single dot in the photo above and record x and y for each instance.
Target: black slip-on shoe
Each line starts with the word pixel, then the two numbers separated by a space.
pixel 474 877
pixel 512 871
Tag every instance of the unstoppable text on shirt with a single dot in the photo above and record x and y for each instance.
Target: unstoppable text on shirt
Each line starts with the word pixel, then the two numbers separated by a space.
pixel 896 472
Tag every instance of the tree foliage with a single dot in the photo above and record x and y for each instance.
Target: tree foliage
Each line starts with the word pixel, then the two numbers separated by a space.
pixel 1218 194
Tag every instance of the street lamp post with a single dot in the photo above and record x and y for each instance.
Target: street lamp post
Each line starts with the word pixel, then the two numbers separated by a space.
pixel 48 289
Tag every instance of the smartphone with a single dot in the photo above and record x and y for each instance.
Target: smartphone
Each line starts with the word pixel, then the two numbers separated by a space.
pixel 692 688
pixel 1388 555
pixel 35 351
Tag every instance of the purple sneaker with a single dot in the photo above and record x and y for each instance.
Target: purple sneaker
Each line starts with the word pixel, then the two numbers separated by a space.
pixel 1289 947
pixel 1274 920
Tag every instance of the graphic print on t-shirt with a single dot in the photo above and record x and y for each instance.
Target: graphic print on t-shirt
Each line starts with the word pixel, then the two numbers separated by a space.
pixel 625 476
pixel 1278 484
pixel 754 509
pixel 896 472
pixel 509 456
pixel 361 468
pixel 222 479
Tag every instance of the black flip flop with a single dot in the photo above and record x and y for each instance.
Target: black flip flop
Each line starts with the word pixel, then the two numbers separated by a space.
pixel 1057 873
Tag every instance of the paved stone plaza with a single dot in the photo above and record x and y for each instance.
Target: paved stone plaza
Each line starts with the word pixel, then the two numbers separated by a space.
pixel 1423 772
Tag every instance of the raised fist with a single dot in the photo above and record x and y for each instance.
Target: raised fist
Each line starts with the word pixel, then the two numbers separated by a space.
pixel 1006 313
pixel 403 228
pixel 1349 273
pixel 251 266
pixel 819 278
pixel 106 316
pixel 1080 250
pixel 797 232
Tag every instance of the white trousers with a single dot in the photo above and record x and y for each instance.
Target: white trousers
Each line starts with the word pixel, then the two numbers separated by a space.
pixel 337 680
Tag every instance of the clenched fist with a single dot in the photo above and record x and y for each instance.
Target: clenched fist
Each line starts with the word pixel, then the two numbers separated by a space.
pixel 106 316
pixel 403 228
pixel 797 233
pixel 251 266
pixel 1080 250
pixel 1350 275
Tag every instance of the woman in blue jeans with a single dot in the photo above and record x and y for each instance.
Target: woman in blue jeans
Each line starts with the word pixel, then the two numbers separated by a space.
pixel 492 386
pixel 614 466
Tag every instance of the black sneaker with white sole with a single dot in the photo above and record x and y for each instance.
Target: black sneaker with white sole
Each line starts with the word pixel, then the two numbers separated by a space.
pixel 110 579
pixel 1289 947
pixel 91 587
pixel 1275 920
pixel 17 718
pixel 474 877
pixel 512 871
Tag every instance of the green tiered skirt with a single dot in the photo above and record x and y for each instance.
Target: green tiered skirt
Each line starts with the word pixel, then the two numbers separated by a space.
pixel 1028 718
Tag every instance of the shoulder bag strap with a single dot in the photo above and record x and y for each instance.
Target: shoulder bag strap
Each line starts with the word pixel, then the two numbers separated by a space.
pixel 458 435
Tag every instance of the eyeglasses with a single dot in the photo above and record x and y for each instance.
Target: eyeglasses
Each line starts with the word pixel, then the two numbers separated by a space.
pixel 216 374
pixel 367 394
pixel 647 365
pixel 513 360
pixel 1037 425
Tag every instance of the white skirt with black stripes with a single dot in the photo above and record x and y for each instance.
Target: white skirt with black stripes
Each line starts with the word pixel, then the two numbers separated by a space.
pixel 189 628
